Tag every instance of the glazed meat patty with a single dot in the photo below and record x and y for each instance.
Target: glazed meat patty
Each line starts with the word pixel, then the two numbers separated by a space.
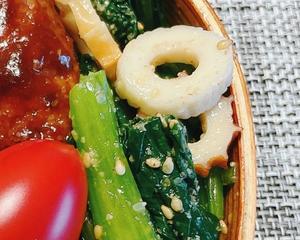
pixel 37 69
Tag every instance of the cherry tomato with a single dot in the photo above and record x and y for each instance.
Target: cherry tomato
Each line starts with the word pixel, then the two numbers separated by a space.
pixel 43 191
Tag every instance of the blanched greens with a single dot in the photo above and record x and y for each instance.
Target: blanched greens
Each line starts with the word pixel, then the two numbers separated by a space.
pixel 170 190
pixel 181 205
pixel 87 64
pixel 114 198
pixel 120 19
pixel 150 12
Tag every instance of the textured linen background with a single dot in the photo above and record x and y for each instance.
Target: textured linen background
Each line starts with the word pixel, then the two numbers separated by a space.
pixel 267 37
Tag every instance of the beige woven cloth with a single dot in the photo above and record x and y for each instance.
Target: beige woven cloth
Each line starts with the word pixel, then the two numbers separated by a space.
pixel 267 36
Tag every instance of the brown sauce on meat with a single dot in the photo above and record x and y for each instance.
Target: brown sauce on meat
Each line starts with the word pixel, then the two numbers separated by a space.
pixel 37 69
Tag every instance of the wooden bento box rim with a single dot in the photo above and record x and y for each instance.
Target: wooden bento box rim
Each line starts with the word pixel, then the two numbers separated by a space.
pixel 242 198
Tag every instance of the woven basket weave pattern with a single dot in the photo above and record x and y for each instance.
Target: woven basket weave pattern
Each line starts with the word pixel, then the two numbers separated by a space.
pixel 267 37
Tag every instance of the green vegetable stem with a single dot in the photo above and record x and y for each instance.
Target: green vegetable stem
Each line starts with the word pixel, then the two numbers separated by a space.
pixel 215 193
pixel 211 194
pixel 117 209
pixel 229 175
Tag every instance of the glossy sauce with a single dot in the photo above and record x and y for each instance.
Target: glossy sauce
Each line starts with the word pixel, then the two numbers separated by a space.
pixel 37 69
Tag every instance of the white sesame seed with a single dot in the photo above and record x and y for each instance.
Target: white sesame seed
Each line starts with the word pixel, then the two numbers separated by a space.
pixel 87 159
pixel 153 162
pixel 168 166
pixel 120 168
pixel 176 204
pixel 168 213
pixel 224 44
pixel 131 159
pixel 163 120
pixel 109 216
pixel 223 226
pixel 182 74
pixel 232 164
pixel 170 221
pixel 172 122
pixel 140 26
pixel 98 231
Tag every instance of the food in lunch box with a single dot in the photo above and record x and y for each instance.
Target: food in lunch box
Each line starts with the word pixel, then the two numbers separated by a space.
pixel 147 118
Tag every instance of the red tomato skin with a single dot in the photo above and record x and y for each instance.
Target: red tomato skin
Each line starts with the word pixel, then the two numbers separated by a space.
pixel 43 191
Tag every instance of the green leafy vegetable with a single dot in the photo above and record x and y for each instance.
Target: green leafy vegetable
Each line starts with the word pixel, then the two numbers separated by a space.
pixel 87 64
pixel 150 12
pixel 115 201
pixel 203 196
pixel 120 19
pixel 161 163
pixel 124 114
